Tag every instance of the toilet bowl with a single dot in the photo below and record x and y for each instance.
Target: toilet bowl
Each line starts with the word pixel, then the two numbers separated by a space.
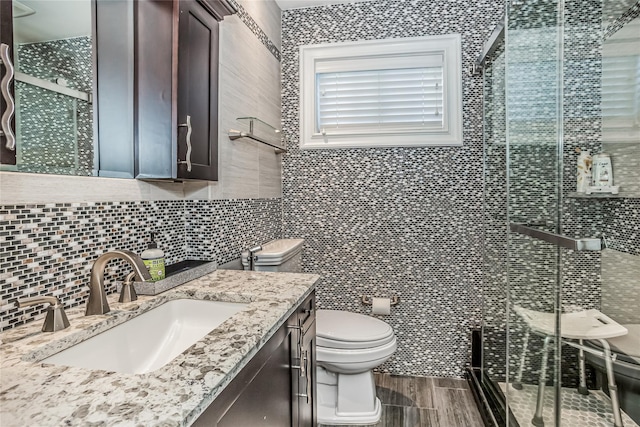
pixel 348 347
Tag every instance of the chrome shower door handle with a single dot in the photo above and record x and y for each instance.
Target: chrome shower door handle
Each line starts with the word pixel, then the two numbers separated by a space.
pixel 189 131
pixel 6 94
pixel 584 244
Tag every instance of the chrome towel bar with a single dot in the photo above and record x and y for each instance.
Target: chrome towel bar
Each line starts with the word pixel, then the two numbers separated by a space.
pixel 236 134
pixel 255 124
pixel 586 244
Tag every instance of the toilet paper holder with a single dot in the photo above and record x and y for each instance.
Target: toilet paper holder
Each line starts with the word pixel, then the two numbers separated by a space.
pixel 368 300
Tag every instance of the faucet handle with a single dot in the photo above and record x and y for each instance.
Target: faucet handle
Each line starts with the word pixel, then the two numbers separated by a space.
pixel 255 249
pixel 128 291
pixel 251 256
pixel 56 318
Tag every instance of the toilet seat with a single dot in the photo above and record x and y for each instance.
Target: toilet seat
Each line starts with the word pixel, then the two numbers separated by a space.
pixel 365 356
pixel 352 345
pixel 345 330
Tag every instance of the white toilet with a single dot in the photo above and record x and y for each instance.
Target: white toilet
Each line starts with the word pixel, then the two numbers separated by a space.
pixel 348 347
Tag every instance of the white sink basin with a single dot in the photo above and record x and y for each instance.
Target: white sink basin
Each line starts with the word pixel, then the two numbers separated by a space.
pixel 151 340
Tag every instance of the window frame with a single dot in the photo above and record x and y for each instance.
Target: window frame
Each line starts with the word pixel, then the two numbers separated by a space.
pixel 312 56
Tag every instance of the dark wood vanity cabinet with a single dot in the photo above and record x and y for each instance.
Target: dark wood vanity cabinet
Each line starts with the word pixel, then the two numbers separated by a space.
pixel 277 387
pixel 158 117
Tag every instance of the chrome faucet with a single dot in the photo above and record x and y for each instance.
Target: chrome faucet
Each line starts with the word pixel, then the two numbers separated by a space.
pixel 97 302
pixel 56 318
pixel 252 257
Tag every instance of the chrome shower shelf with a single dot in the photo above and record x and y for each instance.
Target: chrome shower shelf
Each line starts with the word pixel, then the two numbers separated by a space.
pixel 257 126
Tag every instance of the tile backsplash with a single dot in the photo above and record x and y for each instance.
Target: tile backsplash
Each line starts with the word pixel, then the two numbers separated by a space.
pixel 48 249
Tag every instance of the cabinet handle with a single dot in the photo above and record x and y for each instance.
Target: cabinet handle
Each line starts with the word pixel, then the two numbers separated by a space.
pixel 304 362
pixel 300 353
pixel 189 130
pixel 301 366
pixel 11 106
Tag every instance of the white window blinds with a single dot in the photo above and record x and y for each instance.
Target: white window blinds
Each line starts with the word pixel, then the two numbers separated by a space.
pixel 408 98
pixel 619 74
pixel 381 93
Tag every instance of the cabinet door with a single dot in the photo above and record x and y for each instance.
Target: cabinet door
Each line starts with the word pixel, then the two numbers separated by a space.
pixel 197 93
pixel 155 66
pixel 306 389
pixel 260 395
pixel 7 153
pixel 307 414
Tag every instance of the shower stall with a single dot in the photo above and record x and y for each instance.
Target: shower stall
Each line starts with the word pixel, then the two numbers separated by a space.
pixel 560 342
pixel 54 105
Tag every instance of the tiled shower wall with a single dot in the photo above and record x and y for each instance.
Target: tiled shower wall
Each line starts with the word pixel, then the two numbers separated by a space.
pixel 49 249
pixel 393 221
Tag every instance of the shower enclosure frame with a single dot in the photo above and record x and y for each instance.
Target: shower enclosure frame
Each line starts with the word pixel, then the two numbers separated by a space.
pixel 493 401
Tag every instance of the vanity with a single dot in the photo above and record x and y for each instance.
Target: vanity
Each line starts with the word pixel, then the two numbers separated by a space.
pixel 255 368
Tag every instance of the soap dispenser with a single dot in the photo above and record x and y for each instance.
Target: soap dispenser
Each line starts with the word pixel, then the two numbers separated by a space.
pixel 153 258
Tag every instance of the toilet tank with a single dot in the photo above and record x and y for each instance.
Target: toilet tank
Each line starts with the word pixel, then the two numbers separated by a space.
pixel 284 255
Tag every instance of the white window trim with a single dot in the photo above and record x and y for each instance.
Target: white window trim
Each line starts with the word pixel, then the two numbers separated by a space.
pixel 448 45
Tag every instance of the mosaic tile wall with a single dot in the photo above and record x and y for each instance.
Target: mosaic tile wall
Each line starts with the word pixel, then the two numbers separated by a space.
pixel 221 229
pixel 393 221
pixel 621 225
pixel 615 16
pixel 49 249
pixel 55 131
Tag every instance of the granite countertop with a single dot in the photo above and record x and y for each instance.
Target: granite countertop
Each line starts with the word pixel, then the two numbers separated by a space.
pixel 39 394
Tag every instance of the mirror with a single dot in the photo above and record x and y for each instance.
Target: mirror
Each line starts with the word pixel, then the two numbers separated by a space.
pixel 53 86
pixel 620 100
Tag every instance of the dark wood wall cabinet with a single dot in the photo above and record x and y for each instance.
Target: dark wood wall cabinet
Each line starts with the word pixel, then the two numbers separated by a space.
pixel 277 387
pixel 157 88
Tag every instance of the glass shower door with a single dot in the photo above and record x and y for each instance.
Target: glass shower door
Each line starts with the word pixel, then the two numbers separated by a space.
pixel 47 130
pixel 523 170
pixel 533 86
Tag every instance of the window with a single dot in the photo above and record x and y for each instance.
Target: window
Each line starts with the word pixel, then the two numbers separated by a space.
pixel 381 93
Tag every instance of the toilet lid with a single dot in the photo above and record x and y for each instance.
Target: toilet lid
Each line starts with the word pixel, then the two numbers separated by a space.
pixel 276 252
pixel 343 329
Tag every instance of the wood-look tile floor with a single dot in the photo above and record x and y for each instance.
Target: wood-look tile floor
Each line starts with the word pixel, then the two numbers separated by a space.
pixel 425 402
